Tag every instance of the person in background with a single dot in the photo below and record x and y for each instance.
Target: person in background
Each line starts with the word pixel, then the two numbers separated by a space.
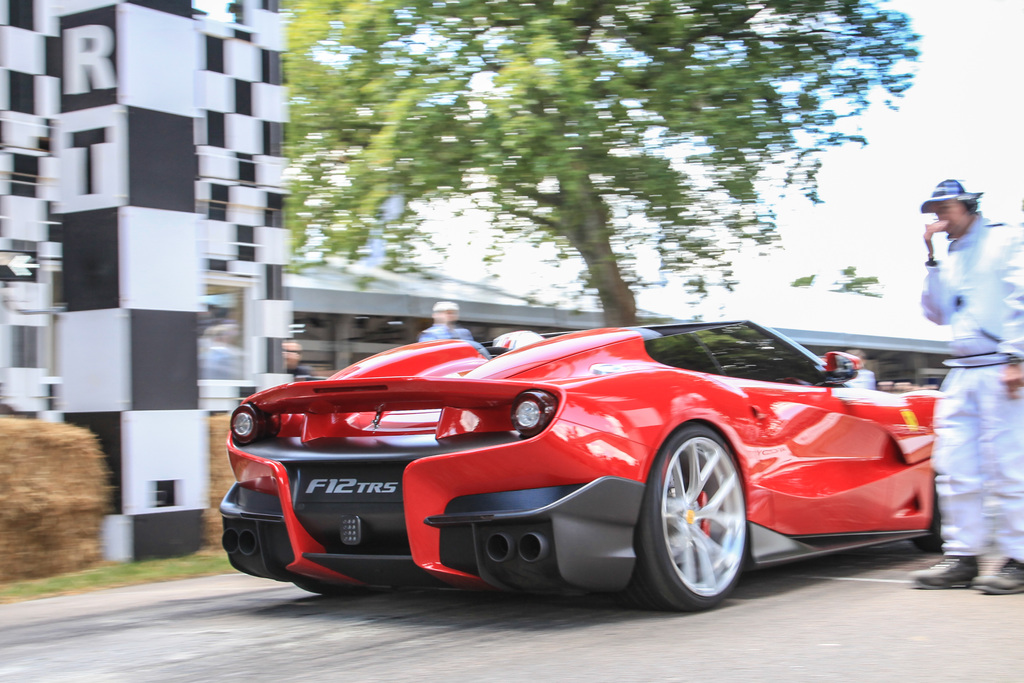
pixel 979 291
pixel 221 355
pixel 865 378
pixel 292 351
pixel 446 314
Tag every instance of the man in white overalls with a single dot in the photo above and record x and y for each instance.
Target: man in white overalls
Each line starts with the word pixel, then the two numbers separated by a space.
pixel 978 290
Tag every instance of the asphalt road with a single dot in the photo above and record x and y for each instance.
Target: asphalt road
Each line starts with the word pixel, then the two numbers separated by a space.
pixel 849 617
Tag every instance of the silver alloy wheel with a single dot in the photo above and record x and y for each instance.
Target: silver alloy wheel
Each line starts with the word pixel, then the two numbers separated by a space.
pixel 703 515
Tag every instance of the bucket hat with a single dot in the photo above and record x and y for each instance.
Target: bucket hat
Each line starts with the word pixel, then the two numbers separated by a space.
pixel 948 189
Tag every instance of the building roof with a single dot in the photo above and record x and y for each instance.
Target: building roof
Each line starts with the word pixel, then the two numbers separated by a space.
pixel 359 289
pixel 810 316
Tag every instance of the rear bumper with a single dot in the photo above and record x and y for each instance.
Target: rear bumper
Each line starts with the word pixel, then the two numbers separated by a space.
pixel 552 539
pixel 254 536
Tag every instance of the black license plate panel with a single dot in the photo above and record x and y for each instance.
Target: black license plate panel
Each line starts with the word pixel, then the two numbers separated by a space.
pixel 349 483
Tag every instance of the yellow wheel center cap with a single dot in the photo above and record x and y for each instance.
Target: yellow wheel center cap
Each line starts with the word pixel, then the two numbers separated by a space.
pixel 690 516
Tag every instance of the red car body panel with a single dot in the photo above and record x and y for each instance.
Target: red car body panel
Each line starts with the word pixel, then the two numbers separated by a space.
pixel 815 460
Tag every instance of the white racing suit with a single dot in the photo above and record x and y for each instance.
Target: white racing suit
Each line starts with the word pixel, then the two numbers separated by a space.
pixel 979 291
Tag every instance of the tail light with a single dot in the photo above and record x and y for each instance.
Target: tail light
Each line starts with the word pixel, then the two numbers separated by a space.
pixel 532 412
pixel 249 423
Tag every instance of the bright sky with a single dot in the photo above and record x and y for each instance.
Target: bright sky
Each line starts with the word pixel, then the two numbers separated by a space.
pixel 216 8
pixel 961 119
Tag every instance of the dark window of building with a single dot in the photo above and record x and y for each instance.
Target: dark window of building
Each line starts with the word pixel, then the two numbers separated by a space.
pixel 245 234
pixel 165 493
pixel 22 92
pixel 45 140
pixel 275 200
pixel 57 297
pixel 22 14
pixel 26 175
pixel 246 168
pixel 218 209
pixel 246 172
pixel 273 214
pixel 275 357
pixel 243 97
pixel 274 282
pixel 181 8
pixel 214 54
pixel 272 134
pixel 215 129
pixel 54 56
pixel 271 67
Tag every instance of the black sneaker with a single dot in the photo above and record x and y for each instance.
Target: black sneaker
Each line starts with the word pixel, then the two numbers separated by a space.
pixel 1009 579
pixel 954 571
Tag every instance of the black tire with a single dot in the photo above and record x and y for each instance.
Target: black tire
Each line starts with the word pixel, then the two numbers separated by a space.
pixel 932 542
pixel 691 538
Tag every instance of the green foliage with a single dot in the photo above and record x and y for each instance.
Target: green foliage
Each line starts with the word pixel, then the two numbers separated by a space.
pixel 600 127
pixel 805 281
pixel 858 284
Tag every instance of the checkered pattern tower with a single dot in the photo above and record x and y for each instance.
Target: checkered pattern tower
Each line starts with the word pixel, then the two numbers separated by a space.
pixel 239 135
pixel 141 160
pixel 29 104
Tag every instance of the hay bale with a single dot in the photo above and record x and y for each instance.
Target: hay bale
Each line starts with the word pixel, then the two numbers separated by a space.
pixel 221 479
pixel 54 493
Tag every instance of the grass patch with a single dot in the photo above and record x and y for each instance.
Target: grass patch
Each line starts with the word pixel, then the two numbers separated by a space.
pixel 115 574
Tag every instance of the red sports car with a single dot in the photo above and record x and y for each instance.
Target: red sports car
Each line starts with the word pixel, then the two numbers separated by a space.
pixel 657 462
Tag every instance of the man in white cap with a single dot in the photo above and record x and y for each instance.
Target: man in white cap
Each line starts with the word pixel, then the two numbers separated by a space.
pixel 446 314
pixel 978 289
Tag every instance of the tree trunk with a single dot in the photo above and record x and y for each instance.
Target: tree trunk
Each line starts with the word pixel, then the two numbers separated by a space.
pixel 587 229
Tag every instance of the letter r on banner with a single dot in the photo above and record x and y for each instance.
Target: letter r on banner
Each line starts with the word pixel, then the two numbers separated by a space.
pixel 89 59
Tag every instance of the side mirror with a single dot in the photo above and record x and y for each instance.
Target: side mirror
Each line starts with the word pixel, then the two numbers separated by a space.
pixel 841 367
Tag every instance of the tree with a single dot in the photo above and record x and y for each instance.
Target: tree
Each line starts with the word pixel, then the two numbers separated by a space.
pixel 600 127
pixel 850 281
pixel 858 284
pixel 805 281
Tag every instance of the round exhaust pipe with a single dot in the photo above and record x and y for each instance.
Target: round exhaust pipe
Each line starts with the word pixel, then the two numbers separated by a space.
pixel 247 543
pixel 534 547
pixel 229 541
pixel 500 547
